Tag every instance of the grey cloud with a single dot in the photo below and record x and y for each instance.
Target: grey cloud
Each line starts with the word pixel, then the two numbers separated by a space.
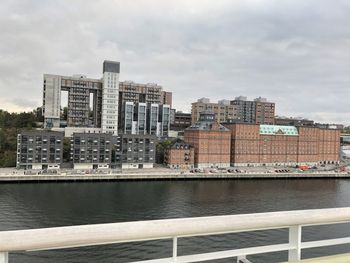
pixel 292 52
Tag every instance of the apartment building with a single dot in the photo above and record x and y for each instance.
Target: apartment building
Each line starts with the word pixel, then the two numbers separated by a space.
pixel 258 111
pixel 91 150
pixel 95 103
pixel 254 144
pixel 39 150
pixel 211 142
pixel 222 110
pixel 180 156
pixel 135 151
pixel 181 121
pixel 144 93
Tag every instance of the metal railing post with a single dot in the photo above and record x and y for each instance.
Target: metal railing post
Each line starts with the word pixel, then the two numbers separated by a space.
pixel 295 241
pixel 242 259
pixel 4 257
pixel 174 249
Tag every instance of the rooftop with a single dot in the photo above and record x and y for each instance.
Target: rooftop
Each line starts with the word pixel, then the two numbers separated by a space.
pixel 278 129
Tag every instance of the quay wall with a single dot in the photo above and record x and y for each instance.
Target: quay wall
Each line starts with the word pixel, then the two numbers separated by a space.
pixel 6 178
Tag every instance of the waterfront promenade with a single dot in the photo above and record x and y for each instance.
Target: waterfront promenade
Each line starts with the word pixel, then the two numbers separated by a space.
pixel 161 174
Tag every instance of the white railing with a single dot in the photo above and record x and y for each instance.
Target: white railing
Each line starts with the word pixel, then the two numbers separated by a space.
pixel 88 235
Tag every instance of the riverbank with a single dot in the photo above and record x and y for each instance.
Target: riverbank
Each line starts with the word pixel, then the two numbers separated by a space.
pixel 6 178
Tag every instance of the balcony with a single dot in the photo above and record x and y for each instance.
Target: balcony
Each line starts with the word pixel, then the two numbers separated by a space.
pixel 172 229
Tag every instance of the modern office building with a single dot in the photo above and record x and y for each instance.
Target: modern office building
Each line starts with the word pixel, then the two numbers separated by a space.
pixel 145 118
pixel 223 110
pixel 254 144
pixel 211 142
pixel 91 150
pixel 179 155
pixel 135 151
pixel 39 150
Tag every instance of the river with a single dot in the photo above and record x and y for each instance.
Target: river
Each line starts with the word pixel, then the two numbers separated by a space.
pixel 38 205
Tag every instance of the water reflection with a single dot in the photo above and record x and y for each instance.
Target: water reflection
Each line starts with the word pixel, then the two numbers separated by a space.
pixel 57 204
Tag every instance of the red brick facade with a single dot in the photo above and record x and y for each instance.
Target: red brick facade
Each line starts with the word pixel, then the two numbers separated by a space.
pixel 211 146
pixel 310 145
pixel 179 156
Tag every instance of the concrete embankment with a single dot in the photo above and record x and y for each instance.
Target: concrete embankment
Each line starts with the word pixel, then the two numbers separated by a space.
pixel 163 176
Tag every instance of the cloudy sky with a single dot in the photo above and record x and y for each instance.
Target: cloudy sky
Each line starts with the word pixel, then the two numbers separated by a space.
pixel 294 52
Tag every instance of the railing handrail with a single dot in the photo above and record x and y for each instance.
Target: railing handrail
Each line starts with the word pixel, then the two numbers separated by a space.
pixel 96 234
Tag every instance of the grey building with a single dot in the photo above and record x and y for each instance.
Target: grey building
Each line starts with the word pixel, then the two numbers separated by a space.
pixel 135 151
pixel 91 150
pixel 39 149
pixel 259 111
pixel 245 109
pixel 145 118
pixel 181 121
pixel 293 121
pixel 144 93
pixel 103 93
pixel 95 103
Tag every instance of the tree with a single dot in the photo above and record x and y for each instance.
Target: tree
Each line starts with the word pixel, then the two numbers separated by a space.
pixel 10 125
pixel 160 149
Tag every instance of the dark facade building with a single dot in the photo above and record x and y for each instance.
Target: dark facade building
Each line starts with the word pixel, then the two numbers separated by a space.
pixel 253 144
pixel 135 151
pixel 293 121
pixel 181 121
pixel 211 142
pixel 39 150
pixel 179 155
pixel 91 150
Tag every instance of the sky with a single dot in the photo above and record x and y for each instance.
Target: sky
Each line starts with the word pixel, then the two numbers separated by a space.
pixel 295 53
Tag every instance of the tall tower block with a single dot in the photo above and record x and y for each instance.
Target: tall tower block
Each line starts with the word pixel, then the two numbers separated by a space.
pixel 110 96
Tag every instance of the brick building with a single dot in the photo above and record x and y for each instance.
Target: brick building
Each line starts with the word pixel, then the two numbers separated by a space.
pixel 211 142
pixel 179 155
pixel 253 144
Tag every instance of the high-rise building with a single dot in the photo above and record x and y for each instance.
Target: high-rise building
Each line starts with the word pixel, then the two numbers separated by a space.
pixel 145 118
pixel 259 111
pixel 146 93
pixel 82 92
pixel 110 94
pixel 96 103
